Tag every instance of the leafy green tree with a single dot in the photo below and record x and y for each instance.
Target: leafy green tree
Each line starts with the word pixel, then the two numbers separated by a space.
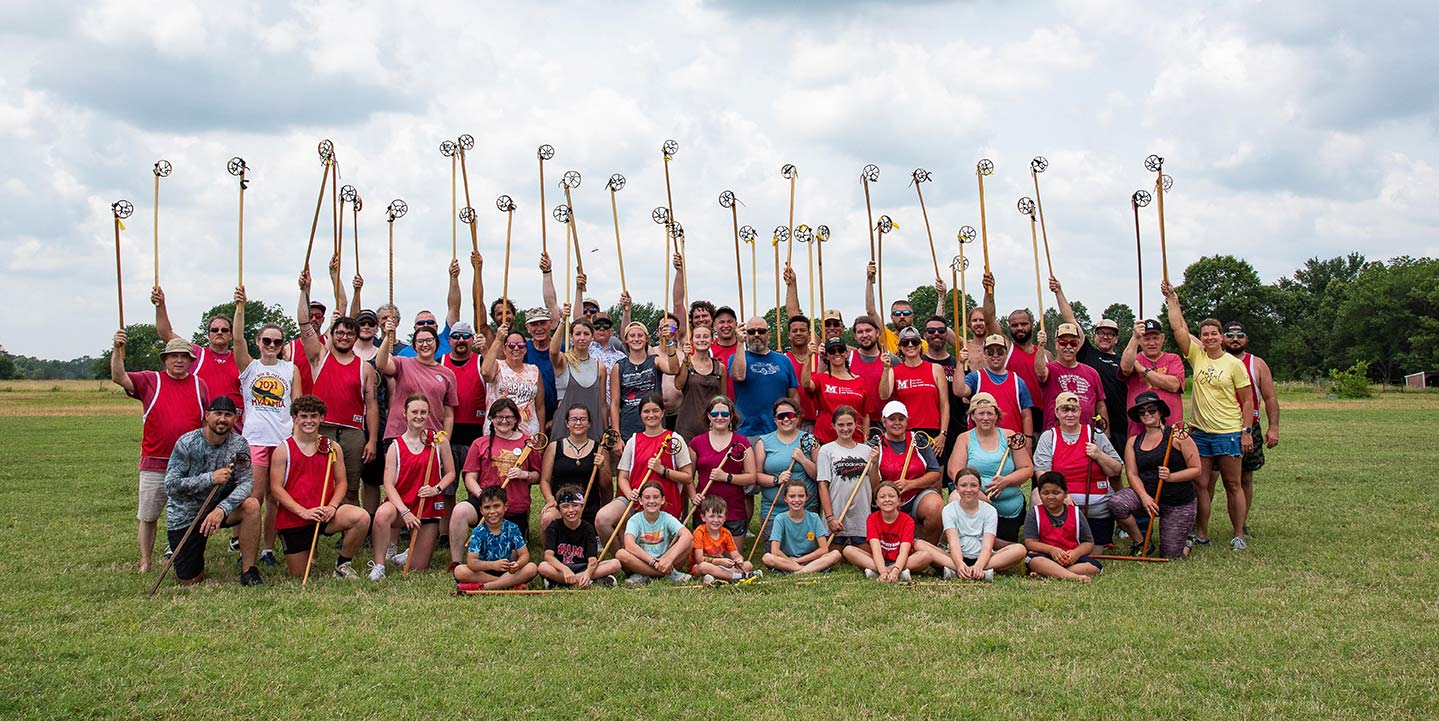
pixel 7 367
pixel 142 351
pixel 1229 289
pixel 1390 318
pixel 256 315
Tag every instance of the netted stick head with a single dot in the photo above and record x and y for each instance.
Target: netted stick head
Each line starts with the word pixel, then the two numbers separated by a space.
pixel 505 203
pixel 870 173
pixel 660 215
pixel 804 234
pixel 348 194
pixel 808 443
pixel 748 234
pixel 985 166
pixel 821 233
pixel 677 231
pixel 885 224
pixel 561 213
pixel 1165 182
pixel 466 141
pixel 923 441
pixel 781 233
pixel 122 209
pixel 571 179
pixel 1017 441
pixel 467 215
pixel 788 170
pixel 959 264
pixel 236 166
pixel 967 234
pixel 396 210
pixel 538 442
pixel 670 149
pixel 726 199
pixel 545 152
pixel 921 175
pixel 1141 198
pixel 1181 429
pixel 447 148
pixel 162 168
pixel 1153 163
pixel 326 149
pixel 1039 164
pixel 1025 205
pixel 616 183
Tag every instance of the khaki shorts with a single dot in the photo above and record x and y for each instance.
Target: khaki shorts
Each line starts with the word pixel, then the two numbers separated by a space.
pixel 352 448
pixel 152 496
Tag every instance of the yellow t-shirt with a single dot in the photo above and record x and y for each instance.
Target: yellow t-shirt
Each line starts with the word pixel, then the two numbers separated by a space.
pixel 1217 382
pixel 891 341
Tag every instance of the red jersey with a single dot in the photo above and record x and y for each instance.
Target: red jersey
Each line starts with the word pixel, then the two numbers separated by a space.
pixel 1247 360
pixel 645 448
pixel 831 393
pixel 1006 396
pixel 890 535
pixel 305 482
pixel 871 371
pixel 1065 538
pixel 1022 364
pixel 342 387
pixel 410 475
pixel 808 407
pixel 723 354
pixel 1082 478
pixel 173 407
pixel 221 375
pixel 891 462
pixel 470 386
pixel 915 388
pixel 298 357
pixel 492 458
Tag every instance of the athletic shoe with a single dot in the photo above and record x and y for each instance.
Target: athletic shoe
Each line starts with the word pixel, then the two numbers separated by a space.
pixel 234 544
pixel 267 557
pixel 989 575
pixel 949 574
pixel 168 552
pixel 678 576
pixel 399 559
pixel 709 579
pixel 606 581
pixel 251 578
pixel 1238 544
pixel 468 587
pixel 904 575
pixel 545 583
pixel 346 570
pixel 391 552
pixel 377 571
pixel 637 579
pixel 869 573
pixel 1201 541
pixel 755 574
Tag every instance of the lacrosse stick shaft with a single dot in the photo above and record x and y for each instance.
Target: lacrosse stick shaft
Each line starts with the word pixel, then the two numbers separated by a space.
pixel 544 220
pixel 738 271
pixel 778 324
pixel 1144 550
pixel 869 212
pixel 619 249
pixel 629 506
pixel 863 474
pixel 315 224
pixel 1138 258
pixel 454 208
pixel 240 264
pixel 465 180
pixel 1038 295
pixel 505 284
pixel 820 320
pixel 933 257
pixel 1163 249
pixel 778 495
pixel 789 251
pixel 193 524
pixel 324 499
pixel 983 224
pixel 420 506
pixel 1039 207
pixel 156 225
pixel 119 284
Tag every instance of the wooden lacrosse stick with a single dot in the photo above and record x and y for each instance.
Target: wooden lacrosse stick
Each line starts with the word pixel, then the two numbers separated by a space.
pixel 790 173
pixel 661 216
pixel 1026 207
pixel 870 174
pixel 727 200
pixel 916 438
pixel 882 228
pixel 671 446
pixel 961 319
pixel 807 444
pixel 432 439
pixel 749 235
pixel 1015 442
pixel 1162 184
pixel 781 235
pixel 348 194
pixel 463 143
pixel 328 449
pixel 335 209
pixel 395 211
pixel 506 205
pixel 204 509
pixel 162 169
pixel 920 176
pixel 1096 424
pixel 805 234
pixel 821 236
pixel 668 150
pixel 120 210
pixel 545 152
pixel 729 456
pixel 538 440
pixel 449 150
pixel 606 443
pixel 1178 430
pixel 617 182
pixel 238 168
pixel 1037 166
pixel 873 443
pixel 984 167
pixel 1138 200
pixel 327 156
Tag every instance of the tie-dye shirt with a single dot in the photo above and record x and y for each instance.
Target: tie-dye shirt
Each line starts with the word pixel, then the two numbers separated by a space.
pixel 490 546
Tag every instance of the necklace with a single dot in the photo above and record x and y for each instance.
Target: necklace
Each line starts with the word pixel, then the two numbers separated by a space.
pixel 578 448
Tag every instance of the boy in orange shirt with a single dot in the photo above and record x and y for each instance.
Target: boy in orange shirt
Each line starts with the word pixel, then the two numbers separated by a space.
pixel 715 553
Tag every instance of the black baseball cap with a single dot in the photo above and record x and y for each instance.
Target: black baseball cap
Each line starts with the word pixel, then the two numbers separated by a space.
pixel 1152 326
pixel 1234 325
pixel 725 310
pixel 221 404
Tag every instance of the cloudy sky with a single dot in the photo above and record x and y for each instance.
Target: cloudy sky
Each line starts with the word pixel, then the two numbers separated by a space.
pixel 1292 129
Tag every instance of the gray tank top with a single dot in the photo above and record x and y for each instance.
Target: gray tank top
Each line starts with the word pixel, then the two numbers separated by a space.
pixel 582 387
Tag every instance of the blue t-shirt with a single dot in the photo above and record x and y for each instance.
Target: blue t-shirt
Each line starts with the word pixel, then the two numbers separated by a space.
pixel 442 345
pixel 971 379
pixel 778 456
pixel 797 539
pixel 768 378
pixel 491 547
pixel 541 359
pixel 655 538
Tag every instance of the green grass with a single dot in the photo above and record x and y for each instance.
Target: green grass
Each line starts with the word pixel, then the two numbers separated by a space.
pixel 1332 613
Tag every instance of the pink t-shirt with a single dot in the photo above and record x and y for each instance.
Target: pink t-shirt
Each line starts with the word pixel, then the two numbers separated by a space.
pixel 707 458
pixel 1081 380
pixel 435 382
pixel 1171 365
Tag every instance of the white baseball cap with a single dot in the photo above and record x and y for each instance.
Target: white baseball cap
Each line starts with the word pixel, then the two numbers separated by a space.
pixel 894 408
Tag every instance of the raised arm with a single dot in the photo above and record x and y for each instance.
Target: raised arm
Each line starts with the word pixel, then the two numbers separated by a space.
pixel 870 272
pixel 547 286
pixel 1041 356
pixel 384 363
pixel 355 307
pixel 162 315
pixel 791 294
pixel 490 367
pixel 242 348
pixel 1066 311
pixel 678 299
pixel 1182 338
pixel 340 301
pixel 991 325
pixel 477 294
pixel 453 298
pixel 1131 350
pixel 117 364
pixel 308 339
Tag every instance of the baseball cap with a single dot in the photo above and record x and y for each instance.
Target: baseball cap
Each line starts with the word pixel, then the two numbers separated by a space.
pixel 725 310
pixel 833 314
pixel 894 408
pixel 462 327
pixel 834 344
pixel 980 400
pixel 1107 323
pixel 536 314
pixel 1233 325
pixel 908 333
pixel 1067 329
pixel 995 339
pixel 178 345
pixel 591 304
pixel 1152 326
pixel 367 315
pixel 317 304
pixel 221 404
pixel 1066 399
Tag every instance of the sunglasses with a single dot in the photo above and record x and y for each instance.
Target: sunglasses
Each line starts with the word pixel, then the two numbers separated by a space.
pixel 756 331
pixel 719 414
pixel 934 331
pixel 1067 343
pixel 603 325
pixel 1231 334
pixel 419 323
pixel 834 324
pixel 908 342
pixel 267 342
pixel 461 336
pixel 217 329
pixel 1149 409
pixel 368 323
pixel 514 346
pixel 901 313
pixel 994 351
pixel 836 351
pixel 591 310
pixel 786 416
pixel 506 418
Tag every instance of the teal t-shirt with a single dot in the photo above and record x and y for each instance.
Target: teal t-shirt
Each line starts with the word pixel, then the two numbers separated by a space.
pixel 797 538
pixel 655 538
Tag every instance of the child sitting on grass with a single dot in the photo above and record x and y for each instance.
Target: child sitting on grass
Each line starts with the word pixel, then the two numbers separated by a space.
pixel 889 554
pixel 497 557
pixel 654 541
pixel 715 553
pixel 798 540
pixel 572 546
pixel 1057 536
pixel 969 529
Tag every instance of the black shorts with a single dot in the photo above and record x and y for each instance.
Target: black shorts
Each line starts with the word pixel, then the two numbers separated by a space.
pixel 1254 459
pixel 1103 530
pixel 373 473
pixel 298 539
pixel 465 434
pixel 1008 528
pixel 190 558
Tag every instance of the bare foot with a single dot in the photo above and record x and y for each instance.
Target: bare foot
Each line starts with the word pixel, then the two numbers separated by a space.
pixel 144 567
pixel 1032 574
pixel 1085 579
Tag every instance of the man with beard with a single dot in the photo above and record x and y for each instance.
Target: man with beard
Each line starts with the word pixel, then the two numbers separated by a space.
pixel 1261 387
pixel 215 361
pixel 202 459
pixel 901 313
pixel 346 384
pixel 1101 356
pixel 470 386
pixel 761 377
pixel 1011 394
pixel 426 319
pixel 1021 360
pixel 935 329
pixel 867 362
pixel 1146 366
pixel 981 325
pixel 1067 375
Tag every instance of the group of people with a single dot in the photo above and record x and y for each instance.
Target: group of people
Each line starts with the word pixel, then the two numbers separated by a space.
pixel 659 452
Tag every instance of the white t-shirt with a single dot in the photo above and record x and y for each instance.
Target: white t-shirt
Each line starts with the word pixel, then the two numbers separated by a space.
pixel 971 528
pixel 841 468
pixel 267 395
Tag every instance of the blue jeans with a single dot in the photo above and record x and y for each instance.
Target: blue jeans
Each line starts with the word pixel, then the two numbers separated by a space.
pixel 1216 444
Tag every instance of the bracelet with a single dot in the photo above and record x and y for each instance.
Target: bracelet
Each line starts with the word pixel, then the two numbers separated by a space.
pixel 729 477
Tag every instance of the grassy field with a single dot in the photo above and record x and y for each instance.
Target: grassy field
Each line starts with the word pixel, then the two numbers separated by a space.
pixel 1331 614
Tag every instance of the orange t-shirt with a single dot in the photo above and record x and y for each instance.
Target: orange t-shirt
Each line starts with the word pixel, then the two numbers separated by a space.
pixel 709 546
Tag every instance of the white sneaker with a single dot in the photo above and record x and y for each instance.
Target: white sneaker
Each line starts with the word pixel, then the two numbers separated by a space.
pixel 391 552
pixel 400 558
pixel 637 579
pixel 1238 544
pixel 904 575
pixel 678 576
pixel 869 573
pixel 755 574
pixel 346 570
pixel 709 579
pixel 949 574
pixel 377 571
pixel 989 575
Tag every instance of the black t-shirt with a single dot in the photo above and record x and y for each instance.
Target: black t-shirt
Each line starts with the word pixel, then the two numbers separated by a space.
pixel 1147 464
pixel 572 546
pixel 1107 366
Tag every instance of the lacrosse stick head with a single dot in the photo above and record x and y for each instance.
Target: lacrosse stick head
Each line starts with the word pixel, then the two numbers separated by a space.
pixel 561 213
pixel 466 141
pixel 608 439
pixel 1153 163
pixel 677 231
pixel 447 148
pixel 876 437
pixel 804 234
pixel 122 209
pixel 870 173
pixel 985 166
pixel 920 175
pixel 616 183
pixel 1141 198
pixel 675 445
pixel 1039 164
pixel 923 441
pixel 1165 182
pixel 726 199
pixel 1181 429
pixel 959 264
pixel 359 202
pixel 571 179
pixel 748 233
pixel 808 443
pixel 1026 206
pixel 505 204
pixel 467 215
pixel 538 442
pixel 735 453
pixel 788 170
pixel 885 225
pixel 1099 423
pixel 660 215
pixel 326 149
pixel 236 166
pixel 670 149
pixel 821 233
pixel 1017 441
pixel 396 210
pixel 162 168
pixel 348 194
pixel 545 152
pixel 967 234
pixel 781 234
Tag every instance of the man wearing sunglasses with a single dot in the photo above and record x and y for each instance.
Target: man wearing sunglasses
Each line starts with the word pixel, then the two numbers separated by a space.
pixel 1011 393
pixel 426 319
pixel 1261 388
pixel 936 330
pixel 901 313
pixel 761 376
pixel 1101 355
pixel 215 361
pixel 1067 375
